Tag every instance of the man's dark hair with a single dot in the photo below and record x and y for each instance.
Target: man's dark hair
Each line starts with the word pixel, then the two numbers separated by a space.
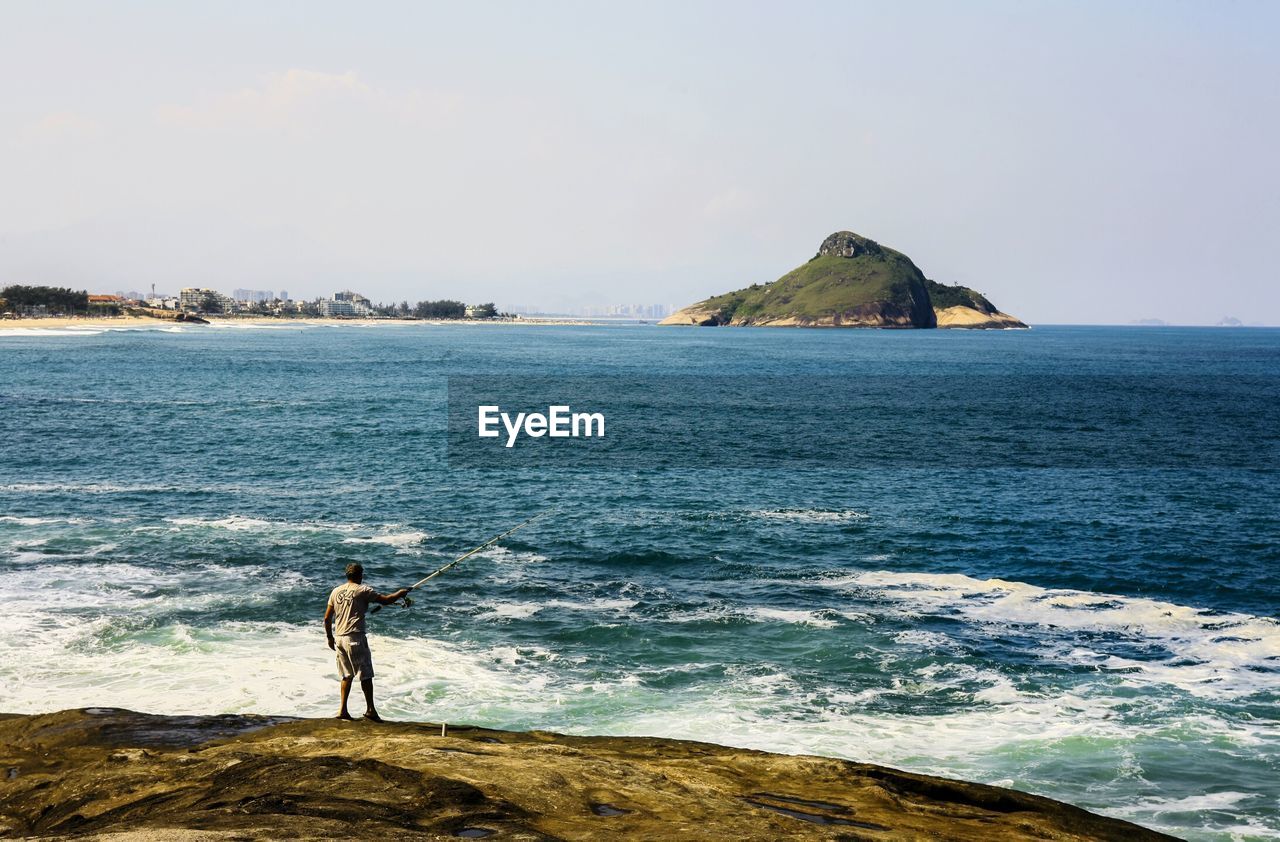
pixel 355 571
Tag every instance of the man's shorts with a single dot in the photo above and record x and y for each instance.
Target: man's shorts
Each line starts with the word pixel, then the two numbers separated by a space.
pixel 354 660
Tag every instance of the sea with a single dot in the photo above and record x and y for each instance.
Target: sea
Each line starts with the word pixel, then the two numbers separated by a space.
pixel 1043 559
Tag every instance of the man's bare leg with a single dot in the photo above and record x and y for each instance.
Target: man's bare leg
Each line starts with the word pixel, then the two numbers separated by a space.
pixel 370 712
pixel 344 690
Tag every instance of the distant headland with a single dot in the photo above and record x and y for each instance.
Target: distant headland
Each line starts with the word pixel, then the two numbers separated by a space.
pixel 852 281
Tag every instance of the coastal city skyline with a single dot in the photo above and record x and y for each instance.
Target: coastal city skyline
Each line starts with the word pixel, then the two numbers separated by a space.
pixel 241 298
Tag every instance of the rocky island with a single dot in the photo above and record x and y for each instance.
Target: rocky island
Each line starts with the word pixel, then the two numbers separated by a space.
pixel 107 773
pixel 851 282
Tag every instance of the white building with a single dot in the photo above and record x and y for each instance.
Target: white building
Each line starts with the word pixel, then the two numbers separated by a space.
pixel 346 303
pixel 193 298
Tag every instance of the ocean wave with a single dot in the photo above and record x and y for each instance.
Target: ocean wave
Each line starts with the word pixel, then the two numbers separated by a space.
pixel 1195 803
pixel 39 521
pixel 601 604
pixel 49 331
pixel 1210 653
pixel 82 488
pixel 516 610
pixel 85 580
pixel 810 515
pixel 497 610
pixel 793 616
pixel 220 325
pixel 95 330
pixel 37 551
pixel 242 523
pixel 922 638
pixel 157 328
pixel 753 614
pixel 26 556
pixel 400 540
pixel 505 555
pixel 1163 814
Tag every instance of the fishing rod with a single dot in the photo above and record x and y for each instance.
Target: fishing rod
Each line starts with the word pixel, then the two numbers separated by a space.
pixel 408 602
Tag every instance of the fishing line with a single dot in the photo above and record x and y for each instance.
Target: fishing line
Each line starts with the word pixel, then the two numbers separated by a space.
pixel 408 602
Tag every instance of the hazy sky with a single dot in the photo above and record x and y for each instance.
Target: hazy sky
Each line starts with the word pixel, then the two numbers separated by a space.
pixel 1077 162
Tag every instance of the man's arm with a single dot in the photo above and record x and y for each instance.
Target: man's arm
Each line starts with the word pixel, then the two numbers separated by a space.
pixel 328 624
pixel 388 598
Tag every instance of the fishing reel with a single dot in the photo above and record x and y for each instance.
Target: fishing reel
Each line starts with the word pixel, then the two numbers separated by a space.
pixel 403 602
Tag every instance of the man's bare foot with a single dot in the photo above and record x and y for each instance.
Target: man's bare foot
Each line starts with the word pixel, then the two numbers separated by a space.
pixel 372 716
pixel 345 715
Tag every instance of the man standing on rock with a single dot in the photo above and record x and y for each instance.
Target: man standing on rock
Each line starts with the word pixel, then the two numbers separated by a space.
pixel 347 604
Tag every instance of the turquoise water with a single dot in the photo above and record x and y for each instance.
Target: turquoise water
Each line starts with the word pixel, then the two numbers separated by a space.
pixel 175 505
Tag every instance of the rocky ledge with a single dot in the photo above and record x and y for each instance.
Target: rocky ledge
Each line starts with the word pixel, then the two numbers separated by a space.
pixel 109 773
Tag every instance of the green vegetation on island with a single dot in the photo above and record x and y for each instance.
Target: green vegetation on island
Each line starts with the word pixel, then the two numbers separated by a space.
pixel 851 282
pixel 944 296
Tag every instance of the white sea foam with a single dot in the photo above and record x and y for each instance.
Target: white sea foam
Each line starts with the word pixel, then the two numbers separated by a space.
pixel 238 667
pixel 1213 654
pixel 602 604
pixel 495 610
pixel 27 557
pixel 401 540
pixel 1162 814
pixel 1195 803
pixel 513 610
pixel 727 612
pixel 234 523
pixel 922 638
pixel 811 515
pixel 240 523
pixel 35 521
pixel 221 325
pixel 80 487
pixel 503 555
pixel 784 615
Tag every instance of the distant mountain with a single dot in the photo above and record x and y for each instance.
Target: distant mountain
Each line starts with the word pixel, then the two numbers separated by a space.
pixel 1229 321
pixel 852 281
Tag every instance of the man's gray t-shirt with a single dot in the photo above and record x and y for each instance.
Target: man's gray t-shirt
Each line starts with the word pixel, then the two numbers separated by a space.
pixel 349 602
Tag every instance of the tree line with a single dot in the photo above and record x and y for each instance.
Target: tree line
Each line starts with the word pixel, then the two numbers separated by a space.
pixel 445 308
pixel 54 299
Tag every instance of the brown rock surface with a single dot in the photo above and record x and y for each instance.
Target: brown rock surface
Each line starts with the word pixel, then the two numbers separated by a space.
pixel 114 774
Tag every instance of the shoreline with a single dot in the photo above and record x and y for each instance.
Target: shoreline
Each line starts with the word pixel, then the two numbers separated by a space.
pixel 143 776
pixel 73 323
